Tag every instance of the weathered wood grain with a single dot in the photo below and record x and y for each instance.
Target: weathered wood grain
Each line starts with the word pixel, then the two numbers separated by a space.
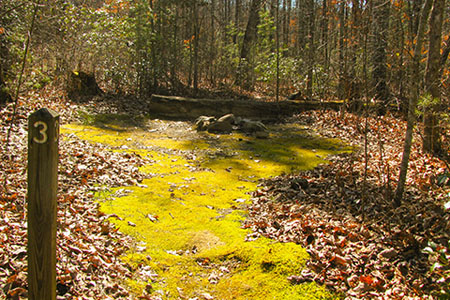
pixel 43 134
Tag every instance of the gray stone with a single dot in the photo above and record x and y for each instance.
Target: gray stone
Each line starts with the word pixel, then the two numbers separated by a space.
pixel 249 126
pixel 228 118
pixel 202 123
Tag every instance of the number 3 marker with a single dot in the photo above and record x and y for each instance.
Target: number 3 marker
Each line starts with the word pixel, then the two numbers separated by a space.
pixel 43 132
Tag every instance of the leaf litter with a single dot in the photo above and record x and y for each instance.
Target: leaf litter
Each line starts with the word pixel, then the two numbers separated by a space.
pixel 88 246
pixel 359 243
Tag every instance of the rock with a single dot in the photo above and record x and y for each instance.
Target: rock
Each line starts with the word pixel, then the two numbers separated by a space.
pixel 228 122
pixel 203 122
pixel 249 126
pixel 220 127
pixel 228 118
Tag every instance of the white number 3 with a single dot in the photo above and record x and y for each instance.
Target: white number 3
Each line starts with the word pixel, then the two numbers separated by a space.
pixel 43 132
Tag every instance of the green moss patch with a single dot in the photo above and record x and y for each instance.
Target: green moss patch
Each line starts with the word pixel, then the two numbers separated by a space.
pixel 189 213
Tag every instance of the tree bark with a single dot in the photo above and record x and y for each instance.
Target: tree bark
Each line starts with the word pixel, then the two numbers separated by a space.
pixel 311 49
pixel 4 95
pixel 381 11
pixel 343 78
pixel 237 17
pixel 196 46
pixel 431 141
pixel 243 76
pixel 324 25
pixel 412 103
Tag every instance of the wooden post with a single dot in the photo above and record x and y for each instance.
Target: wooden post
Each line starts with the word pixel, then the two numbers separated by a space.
pixel 43 134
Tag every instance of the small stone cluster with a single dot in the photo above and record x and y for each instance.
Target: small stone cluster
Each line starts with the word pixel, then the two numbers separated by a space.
pixel 228 123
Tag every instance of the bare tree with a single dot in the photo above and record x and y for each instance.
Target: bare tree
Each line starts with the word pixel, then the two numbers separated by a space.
pixel 431 141
pixel 415 88
pixel 311 49
pixel 243 78
pixel 381 11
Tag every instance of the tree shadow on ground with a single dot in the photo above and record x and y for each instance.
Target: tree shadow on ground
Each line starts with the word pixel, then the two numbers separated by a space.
pixel 288 148
pixel 352 228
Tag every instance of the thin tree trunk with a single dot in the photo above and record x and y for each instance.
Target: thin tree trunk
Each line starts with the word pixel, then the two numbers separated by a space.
pixel 237 16
pixel 284 25
pixel 212 49
pixel 277 41
pixel 381 24
pixel 4 95
pixel 243 76
pixel 431 141
pixel 311 52
pixel 342 88
pixel 174 48
pixel 153 50
pixel 196 46
pixel 354 82
pixel 411 121
pixel 288 26
pixel 325 34
pixel 301 27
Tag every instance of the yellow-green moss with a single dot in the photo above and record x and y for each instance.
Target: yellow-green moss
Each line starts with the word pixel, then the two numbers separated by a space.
pixel 198 234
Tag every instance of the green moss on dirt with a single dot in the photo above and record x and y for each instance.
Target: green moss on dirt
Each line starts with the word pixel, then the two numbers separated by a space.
pixel 189 214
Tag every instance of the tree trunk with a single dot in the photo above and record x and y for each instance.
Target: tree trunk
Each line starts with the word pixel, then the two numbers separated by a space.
pixel 311 49
pixel 301 27
pixel 431 141
pixel 354 80
pixel 212 46
pixel 155 65
pixel 288 25
pixel 412 102
pixel 325 20
pixel 343 80
pixel 381 13
pixel 4 95
pixel 196 46
pixel 243 76
pixel 237 16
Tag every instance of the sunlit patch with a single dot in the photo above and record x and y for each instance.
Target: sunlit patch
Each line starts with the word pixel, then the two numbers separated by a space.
pixel 189 213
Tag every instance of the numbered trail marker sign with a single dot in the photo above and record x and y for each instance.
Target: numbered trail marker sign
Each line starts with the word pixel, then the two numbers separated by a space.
pixel 43 135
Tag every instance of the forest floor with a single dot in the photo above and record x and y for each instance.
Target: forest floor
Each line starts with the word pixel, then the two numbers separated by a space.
pixel 359 244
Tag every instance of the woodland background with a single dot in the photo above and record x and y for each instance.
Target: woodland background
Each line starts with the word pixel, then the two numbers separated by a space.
pixel 347 50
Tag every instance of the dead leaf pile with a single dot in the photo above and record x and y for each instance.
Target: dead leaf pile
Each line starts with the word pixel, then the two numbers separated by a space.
pixel 88 246
pixel 360 244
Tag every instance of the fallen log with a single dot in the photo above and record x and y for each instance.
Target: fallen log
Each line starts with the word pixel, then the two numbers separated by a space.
pixel 188 108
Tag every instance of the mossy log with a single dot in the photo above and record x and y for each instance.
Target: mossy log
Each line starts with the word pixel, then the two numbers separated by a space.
pixel 189 108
